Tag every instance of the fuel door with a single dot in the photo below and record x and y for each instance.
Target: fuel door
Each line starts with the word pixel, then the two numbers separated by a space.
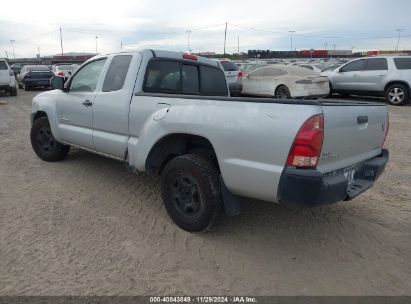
pixel 161 111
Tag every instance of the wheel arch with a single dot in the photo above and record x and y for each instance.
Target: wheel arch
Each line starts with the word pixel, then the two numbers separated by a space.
pixel 393 82
pixel 39 114
pixel 172 145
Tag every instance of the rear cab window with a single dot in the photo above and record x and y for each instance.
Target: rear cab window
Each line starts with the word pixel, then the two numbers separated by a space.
pixel 180 77
pixel 403 63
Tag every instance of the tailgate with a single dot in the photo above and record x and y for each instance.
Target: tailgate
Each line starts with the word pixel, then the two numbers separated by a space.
pixel 352 133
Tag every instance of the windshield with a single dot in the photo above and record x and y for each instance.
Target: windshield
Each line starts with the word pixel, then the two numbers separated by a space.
pixel 229 66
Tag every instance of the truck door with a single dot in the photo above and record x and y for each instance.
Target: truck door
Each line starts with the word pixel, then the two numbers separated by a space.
pixel 112 105
pixel 75 107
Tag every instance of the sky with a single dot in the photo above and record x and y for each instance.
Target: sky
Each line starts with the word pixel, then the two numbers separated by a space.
pixel 260 24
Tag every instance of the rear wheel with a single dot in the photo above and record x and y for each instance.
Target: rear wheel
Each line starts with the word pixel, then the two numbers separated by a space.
pixel 44 143
pixel 26 87
pixel 282 92
pixel 191 192
pixel 397 95
pixel 19 84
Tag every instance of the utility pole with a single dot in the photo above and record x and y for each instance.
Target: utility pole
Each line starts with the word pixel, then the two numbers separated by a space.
pixel 188 32
pixel 96 45
pixel 61 43
pixel 225 36
pixel 238 45
pixel 121 45
pixel 38 53
pixel 7 55
pixel 12 44
pixel 399 38
pixel 291 40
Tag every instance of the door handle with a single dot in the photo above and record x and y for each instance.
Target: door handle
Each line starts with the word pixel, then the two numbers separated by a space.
pixel 87 103
pixel 362 119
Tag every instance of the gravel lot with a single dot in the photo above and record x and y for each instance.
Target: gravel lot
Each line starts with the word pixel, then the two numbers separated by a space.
pixel 86 226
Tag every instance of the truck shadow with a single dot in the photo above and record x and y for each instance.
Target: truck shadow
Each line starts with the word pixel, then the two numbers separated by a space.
pixel 262 226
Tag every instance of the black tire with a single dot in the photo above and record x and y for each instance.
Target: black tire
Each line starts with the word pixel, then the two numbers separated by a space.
pixel 282 92
pixel 191 191
pixel 331 91
pixel 26 87
pixel 397 95
pixel 13 91
pixel 44 144
pixel 19 84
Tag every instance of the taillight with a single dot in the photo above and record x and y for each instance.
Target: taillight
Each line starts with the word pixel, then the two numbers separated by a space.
pixel 190 57
pixel 387 127
pixel 240 74
pixel 60 74
pixel 306 149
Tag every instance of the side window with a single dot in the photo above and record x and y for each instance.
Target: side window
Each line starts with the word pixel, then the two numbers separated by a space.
pixel 403 63
pixel 163 77
pixel 116 73
pixel 212 81
pixel 377 64
pixel 87 78
pixel 355 66
pixel 191 84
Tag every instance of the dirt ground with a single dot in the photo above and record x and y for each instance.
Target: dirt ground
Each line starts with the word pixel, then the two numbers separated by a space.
pixel 85 226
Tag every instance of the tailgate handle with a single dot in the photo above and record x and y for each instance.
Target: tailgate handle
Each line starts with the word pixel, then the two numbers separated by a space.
pixel 362 120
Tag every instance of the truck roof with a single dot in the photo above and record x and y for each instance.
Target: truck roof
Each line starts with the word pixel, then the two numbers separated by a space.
pixel 166 54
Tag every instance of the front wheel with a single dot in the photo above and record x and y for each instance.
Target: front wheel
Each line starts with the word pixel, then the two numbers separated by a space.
pixel 190 187
pixel 26 87
pixel 44 144
pixel 397 95
pixel 282 92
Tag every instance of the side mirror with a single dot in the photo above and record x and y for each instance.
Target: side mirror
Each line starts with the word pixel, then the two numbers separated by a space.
pixel 57 83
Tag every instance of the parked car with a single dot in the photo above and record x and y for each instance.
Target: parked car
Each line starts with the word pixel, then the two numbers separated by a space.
pixel 388 76
pixel 64 71
pixel 16 67
pixel 7 79
pixel 209 148
pixel 310 67
pixel 234 76
pixel 32 76
pixel 285 81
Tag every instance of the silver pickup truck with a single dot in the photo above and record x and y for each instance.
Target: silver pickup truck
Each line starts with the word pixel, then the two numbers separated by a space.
pixel 170 114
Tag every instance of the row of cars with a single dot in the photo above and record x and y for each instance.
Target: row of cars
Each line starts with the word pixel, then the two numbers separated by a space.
pixel 31 76
pixel 388 76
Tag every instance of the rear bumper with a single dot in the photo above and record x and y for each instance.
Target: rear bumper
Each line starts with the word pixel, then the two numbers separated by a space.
pixel 311 188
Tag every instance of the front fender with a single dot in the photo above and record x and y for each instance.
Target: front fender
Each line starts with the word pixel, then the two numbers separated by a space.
pixel 46 102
